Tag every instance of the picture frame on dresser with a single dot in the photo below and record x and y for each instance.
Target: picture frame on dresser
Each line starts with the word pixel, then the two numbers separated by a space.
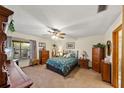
pixel 70 45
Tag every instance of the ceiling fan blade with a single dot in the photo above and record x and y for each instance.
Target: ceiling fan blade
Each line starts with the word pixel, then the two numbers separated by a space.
pixel 62 33
pixel 54 29
pixel 56 32
pixel 49 31
pixel 61 37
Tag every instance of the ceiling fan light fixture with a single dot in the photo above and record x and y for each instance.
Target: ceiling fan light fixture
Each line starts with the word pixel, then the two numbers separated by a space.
pixel 56 33
pixel 54 37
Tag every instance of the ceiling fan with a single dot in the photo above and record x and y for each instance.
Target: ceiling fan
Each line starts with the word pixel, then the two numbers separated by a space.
pixel 56 33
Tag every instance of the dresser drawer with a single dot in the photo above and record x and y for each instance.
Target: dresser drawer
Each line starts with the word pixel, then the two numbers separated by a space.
pixel 84 63
pixel 44 61
pixel 44 56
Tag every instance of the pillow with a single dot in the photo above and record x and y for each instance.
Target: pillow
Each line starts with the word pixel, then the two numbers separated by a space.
pixel 72 55
pixel 68 55
pixel 64 56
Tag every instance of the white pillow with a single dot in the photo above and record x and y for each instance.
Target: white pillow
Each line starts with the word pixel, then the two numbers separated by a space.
pixel 64 56
pixel 68 55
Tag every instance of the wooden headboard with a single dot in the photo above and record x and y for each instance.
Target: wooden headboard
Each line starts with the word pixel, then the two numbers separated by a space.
pixel 73 51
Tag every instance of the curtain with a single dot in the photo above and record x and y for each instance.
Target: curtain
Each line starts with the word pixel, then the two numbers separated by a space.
pixel 33 51
pixel 8 43
pixel 8 48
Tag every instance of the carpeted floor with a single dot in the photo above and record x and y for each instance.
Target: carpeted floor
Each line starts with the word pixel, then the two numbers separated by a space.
pixel 78 78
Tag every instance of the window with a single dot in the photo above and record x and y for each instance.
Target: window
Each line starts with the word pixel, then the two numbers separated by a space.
pixel 21 49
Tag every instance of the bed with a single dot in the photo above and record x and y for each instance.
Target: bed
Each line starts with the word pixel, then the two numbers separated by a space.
pixel 63 65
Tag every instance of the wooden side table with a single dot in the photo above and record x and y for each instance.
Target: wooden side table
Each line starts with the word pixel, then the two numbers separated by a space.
pixel 83 63
pixel 106 71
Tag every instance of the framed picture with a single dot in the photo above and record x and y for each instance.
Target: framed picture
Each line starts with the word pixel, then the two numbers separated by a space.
pixel 70 45
pixel 42 44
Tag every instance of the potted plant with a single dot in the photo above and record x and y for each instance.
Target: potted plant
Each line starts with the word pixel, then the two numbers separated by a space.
pixel 11 26
pixel 99 45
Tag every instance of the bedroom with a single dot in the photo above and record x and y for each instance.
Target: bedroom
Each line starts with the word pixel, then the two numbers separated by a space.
pixel 56 31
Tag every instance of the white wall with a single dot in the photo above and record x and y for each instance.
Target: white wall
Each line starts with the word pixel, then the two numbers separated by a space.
pixel 61 43
pixel 85 44
pixel 108 34
pixel 30 37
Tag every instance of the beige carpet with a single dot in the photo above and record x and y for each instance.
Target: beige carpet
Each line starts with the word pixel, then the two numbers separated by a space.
pixel 78 78
pixel 24 62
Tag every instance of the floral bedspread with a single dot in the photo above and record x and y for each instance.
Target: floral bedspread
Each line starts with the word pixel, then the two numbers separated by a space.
pixel 64 64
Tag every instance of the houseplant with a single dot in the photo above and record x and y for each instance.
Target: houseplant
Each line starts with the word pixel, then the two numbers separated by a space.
pixel 11 26
pixel 99 45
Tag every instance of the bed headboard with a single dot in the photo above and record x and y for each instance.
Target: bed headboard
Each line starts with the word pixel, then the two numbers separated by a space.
pixel 73 51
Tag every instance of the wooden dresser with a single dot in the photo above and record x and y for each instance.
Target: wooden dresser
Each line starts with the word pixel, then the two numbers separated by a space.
pixel 17 78
pixel 4 14
pixel 83 63
pixel 97 55
pixel 11 75
pixel 44 56
pixel 106 71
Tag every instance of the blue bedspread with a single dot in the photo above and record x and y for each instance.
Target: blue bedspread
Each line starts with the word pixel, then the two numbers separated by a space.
pixel 63 64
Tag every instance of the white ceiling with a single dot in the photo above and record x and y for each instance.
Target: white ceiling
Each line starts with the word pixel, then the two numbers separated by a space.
pixel 75 20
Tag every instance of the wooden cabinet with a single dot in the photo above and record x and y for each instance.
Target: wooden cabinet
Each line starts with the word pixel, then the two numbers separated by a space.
pixel 17 78
pixel 97 55
pixel 10 74
pixel 106 71
pixel 4 14
pixel 44 56
pixel 83 63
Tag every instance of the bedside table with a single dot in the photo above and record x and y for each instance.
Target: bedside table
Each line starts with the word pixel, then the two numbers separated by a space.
pixel 83 63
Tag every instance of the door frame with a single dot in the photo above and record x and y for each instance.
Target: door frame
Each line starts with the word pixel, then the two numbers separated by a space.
pixel 115 56
pixel 122 65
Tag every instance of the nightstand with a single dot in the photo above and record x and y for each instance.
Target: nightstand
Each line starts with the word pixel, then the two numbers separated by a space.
pixel 83 63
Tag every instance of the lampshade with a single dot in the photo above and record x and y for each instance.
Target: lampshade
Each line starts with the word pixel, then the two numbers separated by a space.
pixel 84 53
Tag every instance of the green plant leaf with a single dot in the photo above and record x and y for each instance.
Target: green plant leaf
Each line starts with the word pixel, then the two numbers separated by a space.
pixel 11 26
pixel 99 45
